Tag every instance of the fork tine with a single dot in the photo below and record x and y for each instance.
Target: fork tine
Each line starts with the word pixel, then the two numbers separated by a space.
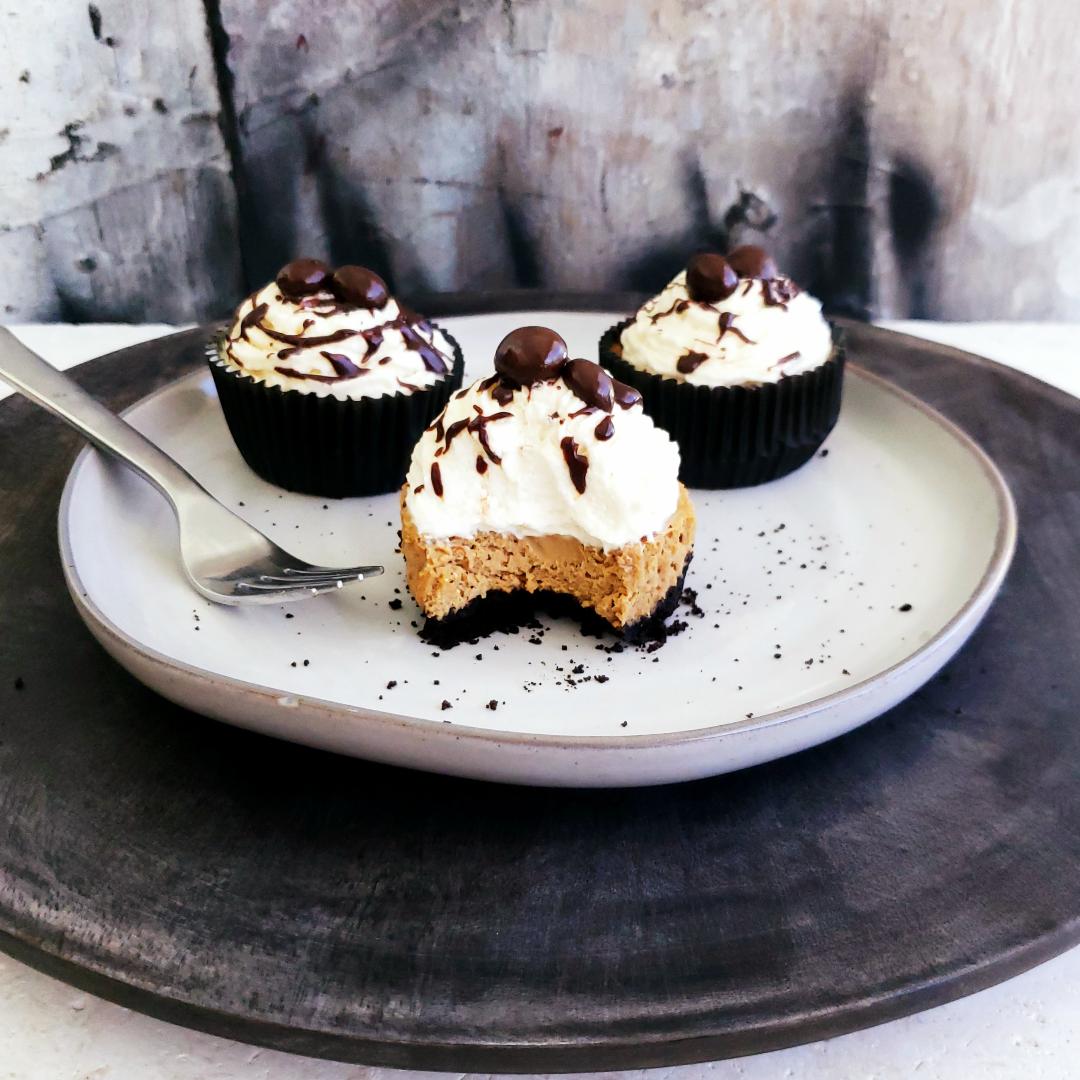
pixel 348 574
pixel 271 585
pixel 291 573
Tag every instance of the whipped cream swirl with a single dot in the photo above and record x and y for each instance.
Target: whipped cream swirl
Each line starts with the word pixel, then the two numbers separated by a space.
pixel 319 343
pixel 764 331
pixel 537 460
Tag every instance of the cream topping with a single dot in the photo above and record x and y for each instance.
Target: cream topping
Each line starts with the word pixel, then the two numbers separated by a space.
pixel 538 461
pixel 317 344
pixel 766 330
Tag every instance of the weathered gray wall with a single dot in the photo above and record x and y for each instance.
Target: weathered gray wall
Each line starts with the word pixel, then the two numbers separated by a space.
pixel 911 158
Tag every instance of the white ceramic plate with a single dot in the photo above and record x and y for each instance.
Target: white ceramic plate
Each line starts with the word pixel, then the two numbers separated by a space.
pixel 826 597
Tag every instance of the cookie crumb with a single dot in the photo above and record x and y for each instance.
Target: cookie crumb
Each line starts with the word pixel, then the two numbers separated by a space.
pixel 391 684
pixel 492 704
pixel 445 705
pixel 904 607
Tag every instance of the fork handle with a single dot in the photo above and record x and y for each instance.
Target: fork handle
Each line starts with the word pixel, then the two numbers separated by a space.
pixel 43 384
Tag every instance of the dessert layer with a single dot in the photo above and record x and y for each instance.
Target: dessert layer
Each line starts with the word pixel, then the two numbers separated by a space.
pixel 335 340
pixel 539 461
pixel 622 586
pixel 764 330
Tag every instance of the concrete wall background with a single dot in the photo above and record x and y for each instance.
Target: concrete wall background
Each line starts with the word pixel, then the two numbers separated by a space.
pixel 902 159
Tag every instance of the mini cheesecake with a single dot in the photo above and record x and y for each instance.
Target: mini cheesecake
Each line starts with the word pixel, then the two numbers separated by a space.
pixel 326 381
pixel 544 486
pixel 737 363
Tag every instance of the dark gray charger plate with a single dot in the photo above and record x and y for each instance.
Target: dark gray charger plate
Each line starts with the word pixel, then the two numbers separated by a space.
pixel 327 906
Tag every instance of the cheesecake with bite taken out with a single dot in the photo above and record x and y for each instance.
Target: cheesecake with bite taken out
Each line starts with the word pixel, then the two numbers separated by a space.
pixel 544 486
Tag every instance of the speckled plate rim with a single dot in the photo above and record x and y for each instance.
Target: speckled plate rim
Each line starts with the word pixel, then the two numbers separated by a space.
pixel 208 686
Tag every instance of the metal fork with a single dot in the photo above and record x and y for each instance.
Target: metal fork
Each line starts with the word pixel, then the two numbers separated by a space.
pixel 223 557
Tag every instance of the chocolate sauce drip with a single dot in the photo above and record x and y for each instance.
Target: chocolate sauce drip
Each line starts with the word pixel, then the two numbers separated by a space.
pixel 777 292
pixel 292 373
pixel 689 362
pixel 787 359
pixel 439 432
pixel 502 390
pixel 343 367
pixel 408 386
pixel 481 464
pixel 576 462
pixel 626 397
pixel 307 342
pixel 590 383
pixel 676 309
pixel 423 324
pixel 454 430
pixel 436 479
pixel 710 277
pixel 433 359
pixel 727 323
pixel 478 427
pixel 252 318
pixel 586 410
pixel 374 338
pixel 306 281
pixel 605 429
pixel 530 354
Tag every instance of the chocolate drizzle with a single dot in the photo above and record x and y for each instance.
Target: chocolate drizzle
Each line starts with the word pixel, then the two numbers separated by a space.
pixel 252 319
pixel 787 359
pixel 478 427
pixel 343 367
pixel 433 359
pixel 310 285
pixel 292 373
pixel 576 462
pixel 676 309
pixel 605 429
pixel 777 292
pixel 689 362
pixel 453 431
pixel 475 425
pixel 436 479
pixel 727 323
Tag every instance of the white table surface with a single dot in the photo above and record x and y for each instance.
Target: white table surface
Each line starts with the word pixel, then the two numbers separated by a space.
pixel 1028 1027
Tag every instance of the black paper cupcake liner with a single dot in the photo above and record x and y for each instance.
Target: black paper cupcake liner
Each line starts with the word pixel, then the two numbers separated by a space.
pixel 738 436
pixel 323 445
